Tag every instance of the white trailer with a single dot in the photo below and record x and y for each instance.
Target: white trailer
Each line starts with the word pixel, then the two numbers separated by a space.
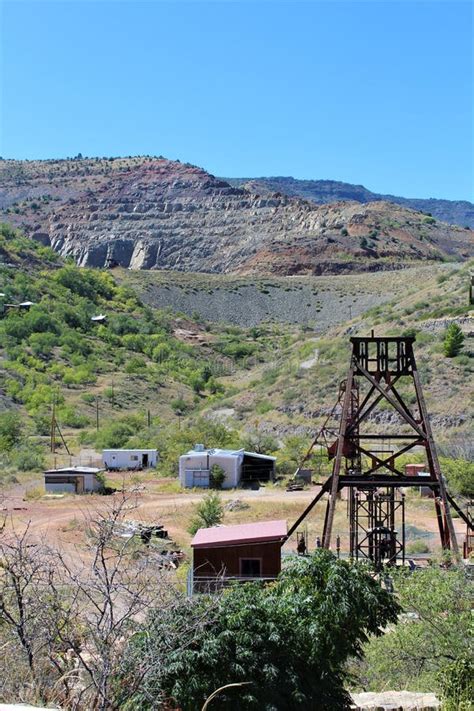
pixel 116 459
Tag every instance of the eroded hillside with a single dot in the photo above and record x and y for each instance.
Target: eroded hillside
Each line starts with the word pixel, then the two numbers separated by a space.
pixel 161 214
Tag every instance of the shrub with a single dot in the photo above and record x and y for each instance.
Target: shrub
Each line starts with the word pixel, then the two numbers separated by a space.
pixel 42 344
pixel 453 340
pixel 209 512
pixel 414 654
pixel 90 283
pixel 11 430
pixel 460 476
pixel 263 407
pixel 70 417
pixel 135 366
pixel 456 683
pixel 28 458
pixel 180 406
pixel 287 643
pixel 161 353
pixel 217 476
pixel 418 546
pixel 116 434
pixel 78 376
pixel 197 383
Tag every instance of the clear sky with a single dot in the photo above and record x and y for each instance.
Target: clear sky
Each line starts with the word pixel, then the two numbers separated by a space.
pixel 378 93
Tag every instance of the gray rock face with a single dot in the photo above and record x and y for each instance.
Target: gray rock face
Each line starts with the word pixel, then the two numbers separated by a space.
pixel 159 214
pixel 456 212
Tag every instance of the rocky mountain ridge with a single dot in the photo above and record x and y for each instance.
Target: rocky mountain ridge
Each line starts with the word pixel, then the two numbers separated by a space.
pixel 161 214
pixel 321 192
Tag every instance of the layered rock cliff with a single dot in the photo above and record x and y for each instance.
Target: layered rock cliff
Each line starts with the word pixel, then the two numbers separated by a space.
pixel 160 214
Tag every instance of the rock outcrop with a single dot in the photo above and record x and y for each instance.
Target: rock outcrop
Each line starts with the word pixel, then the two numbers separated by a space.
pixel 454 212
pixel 160 214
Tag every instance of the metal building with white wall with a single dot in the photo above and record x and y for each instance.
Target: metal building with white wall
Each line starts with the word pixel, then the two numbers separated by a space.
pixel 73 480
pixel 115 459
pixel 240 467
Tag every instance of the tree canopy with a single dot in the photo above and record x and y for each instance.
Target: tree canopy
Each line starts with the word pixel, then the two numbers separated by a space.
pixel 288 641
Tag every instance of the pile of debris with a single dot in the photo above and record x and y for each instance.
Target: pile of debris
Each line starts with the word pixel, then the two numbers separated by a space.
pixel 167 557
pixel 128 529
pixel 295 486
pixel 236 505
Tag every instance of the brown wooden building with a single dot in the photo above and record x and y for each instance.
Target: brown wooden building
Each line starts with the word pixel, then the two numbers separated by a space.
pixel 250 551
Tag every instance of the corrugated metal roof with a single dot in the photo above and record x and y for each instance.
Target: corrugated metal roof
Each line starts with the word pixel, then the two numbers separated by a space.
pixel 245 532
pixel 227 453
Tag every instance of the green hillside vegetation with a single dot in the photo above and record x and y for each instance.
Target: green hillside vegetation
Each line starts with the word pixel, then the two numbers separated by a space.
pixel 200 381
pixel 54 352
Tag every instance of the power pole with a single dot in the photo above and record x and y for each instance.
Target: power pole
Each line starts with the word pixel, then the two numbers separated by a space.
pixel 97 412
pixel 53 427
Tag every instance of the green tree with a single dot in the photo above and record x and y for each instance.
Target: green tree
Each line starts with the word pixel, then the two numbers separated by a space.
pixel 10 431
pixel 456 683
pixel 460 476
pixel 28 458
pixel 209 512
pixel 254 440
pixel 453 340
pixel 288 642
pixel 290 456
pixel 217 476
pixel 197 383
pixel 116 434
pixel 417 653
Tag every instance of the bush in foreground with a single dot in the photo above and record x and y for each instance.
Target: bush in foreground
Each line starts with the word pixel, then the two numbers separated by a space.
pixel 419 652
pixel 287 642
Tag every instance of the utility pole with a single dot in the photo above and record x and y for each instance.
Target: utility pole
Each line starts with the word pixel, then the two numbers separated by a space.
pixel 53 427
pixel 97 412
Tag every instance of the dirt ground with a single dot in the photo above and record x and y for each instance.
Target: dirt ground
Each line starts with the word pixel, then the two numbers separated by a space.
pixel 61 520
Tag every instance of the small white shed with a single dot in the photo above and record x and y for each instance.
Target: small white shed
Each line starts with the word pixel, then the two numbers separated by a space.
pixel 239 467
pixel 115 459
pixel 73 480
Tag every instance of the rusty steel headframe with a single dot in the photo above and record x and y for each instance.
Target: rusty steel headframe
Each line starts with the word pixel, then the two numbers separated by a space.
pixel 381 370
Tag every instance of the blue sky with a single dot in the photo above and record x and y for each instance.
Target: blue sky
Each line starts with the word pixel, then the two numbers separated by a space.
pixel 378 93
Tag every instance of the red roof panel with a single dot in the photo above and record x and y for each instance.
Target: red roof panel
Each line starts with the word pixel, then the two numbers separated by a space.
pixel 245 532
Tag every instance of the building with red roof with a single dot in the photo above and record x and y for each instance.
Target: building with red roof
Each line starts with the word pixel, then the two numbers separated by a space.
pixel 249 551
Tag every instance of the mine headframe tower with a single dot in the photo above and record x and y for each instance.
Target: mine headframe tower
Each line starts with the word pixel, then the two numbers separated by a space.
pixel 381 370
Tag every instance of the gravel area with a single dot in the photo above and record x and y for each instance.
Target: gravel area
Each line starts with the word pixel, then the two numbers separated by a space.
pixel 316 301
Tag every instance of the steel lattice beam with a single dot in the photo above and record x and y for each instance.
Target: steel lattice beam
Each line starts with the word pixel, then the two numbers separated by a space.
pixel 379 364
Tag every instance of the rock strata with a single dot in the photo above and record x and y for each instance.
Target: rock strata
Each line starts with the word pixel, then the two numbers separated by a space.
pixel 160 214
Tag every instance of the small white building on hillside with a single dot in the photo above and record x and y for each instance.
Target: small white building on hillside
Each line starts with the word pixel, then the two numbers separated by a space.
pixel 73 480
pixel 240 467
pixel 116 459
